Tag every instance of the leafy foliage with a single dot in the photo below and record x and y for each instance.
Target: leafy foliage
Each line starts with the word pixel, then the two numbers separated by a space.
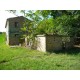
pixel 63 22
pixel 66 21
pixel 46 26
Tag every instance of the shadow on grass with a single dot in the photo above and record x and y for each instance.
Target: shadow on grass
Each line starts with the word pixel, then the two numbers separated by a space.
pixel 3 61
pixel 73 51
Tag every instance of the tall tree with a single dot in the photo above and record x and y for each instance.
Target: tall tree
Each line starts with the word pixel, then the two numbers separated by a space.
pixel 66 21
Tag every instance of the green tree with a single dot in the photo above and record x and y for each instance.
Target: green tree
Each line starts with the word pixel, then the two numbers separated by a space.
pixel 66 21
pixel 46 26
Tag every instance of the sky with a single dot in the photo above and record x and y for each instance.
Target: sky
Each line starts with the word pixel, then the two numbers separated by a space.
pixel 3 16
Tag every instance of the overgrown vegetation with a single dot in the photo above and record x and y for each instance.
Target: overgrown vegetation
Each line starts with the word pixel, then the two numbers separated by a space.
pixel 20 58
pixel 61 22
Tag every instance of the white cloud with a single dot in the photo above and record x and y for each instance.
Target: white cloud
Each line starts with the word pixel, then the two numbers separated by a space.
pixel 3 16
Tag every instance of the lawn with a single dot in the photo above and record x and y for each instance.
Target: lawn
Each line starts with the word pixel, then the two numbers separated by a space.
pixel 21 58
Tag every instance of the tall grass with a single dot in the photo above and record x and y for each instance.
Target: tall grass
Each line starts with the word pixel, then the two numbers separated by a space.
pixel 21 58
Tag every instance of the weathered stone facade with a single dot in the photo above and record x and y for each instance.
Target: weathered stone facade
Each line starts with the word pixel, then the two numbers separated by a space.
pixel 13 30
pixel 53 42
pixel 68 42
pixel 49 43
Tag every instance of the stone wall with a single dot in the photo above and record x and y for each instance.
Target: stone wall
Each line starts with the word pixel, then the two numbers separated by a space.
pixel 69 44
pixel 13 41
pixel 49 43
pixel 53 43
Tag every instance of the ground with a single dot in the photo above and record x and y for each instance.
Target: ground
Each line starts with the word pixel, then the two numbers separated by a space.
pixel 20 58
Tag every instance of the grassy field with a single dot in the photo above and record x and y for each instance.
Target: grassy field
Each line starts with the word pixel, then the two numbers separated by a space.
pixel 20 58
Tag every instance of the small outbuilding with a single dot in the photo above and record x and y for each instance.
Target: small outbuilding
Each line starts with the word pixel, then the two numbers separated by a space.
pixel 54 42
pixel 49 42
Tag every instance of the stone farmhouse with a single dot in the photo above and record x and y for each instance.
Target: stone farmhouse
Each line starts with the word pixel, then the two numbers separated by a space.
pixel 13 30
